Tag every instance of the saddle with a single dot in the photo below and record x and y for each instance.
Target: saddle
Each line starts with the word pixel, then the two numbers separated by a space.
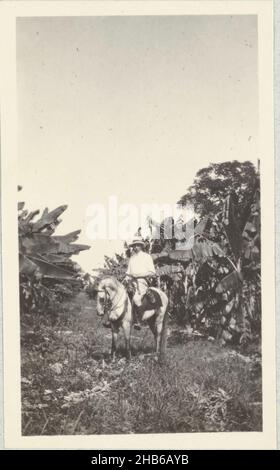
pixel 151 300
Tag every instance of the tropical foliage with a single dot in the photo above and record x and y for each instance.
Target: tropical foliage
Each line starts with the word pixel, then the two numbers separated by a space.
pixel 47 273
pixel 212 277
pixel 214 283
pixel 212 274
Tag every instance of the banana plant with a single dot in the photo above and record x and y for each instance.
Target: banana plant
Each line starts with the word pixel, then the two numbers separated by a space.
pixel 229 241
pixel 47 272
pixel 40 253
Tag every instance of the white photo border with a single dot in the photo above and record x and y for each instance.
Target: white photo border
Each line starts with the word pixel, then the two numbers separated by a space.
pixel 11 332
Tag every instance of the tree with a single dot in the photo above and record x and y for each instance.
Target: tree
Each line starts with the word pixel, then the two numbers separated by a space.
pixel 214 183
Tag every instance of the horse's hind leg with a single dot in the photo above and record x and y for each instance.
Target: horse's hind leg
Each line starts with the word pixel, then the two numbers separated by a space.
pixel 160 329
pixel 162 336
pixel 158 326
pixel 127 334
pixel 155 330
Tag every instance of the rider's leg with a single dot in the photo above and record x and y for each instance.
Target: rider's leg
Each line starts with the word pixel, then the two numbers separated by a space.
pixel 139 305
pixel 136 307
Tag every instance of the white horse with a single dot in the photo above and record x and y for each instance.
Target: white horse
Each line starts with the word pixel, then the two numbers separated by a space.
pixel 112 298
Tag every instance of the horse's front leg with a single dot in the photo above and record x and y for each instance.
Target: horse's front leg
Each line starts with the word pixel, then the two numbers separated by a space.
pixel 114 343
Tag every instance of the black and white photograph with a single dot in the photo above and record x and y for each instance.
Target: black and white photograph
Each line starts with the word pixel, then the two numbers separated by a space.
pixel 140 221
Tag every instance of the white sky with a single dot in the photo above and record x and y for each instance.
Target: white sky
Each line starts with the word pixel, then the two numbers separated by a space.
pixel 130 106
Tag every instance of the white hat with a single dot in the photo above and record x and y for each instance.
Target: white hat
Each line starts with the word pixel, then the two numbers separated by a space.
pixel 137 241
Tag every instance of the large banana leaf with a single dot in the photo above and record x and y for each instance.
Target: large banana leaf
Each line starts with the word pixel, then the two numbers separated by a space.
pixel 161 257
pixel 232 281
pixel 31 216
pixel 201 250
pixel 45 244
pixel 30 264
pixel 168 270
pixel 203 226
pixel 48 218
pixel 53 258
pixel 69 238
pixel 39 243
pixel 45 254
pixel 180 255
pixel 71 249
pixel 26 266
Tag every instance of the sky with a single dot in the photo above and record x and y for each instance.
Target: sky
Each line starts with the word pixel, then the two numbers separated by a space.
pixel 130 107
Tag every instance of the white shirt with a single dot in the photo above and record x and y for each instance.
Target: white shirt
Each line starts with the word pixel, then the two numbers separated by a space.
pixel 140 264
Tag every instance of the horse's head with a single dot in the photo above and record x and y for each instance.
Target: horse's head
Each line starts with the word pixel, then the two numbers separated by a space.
pixel 106 292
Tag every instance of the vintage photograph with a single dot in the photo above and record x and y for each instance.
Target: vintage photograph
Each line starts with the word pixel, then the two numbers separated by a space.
pixel 139 224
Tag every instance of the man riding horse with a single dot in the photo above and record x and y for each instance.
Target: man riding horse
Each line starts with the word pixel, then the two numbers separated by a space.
pixel 124 307
pixel 140 270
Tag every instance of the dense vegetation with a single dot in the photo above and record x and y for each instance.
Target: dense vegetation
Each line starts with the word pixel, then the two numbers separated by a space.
pixel 47 273
pixel 212 275
pixel 69 385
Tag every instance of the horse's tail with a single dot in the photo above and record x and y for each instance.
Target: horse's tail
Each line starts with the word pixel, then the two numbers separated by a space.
pixel 163 338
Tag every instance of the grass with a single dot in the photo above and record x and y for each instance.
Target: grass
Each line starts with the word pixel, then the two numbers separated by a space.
pixel 69 385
